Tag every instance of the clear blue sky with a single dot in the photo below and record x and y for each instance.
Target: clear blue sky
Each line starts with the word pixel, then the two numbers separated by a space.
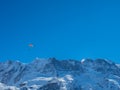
pixel 63 29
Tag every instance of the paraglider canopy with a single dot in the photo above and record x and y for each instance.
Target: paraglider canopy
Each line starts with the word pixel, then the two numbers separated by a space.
pixel 30 45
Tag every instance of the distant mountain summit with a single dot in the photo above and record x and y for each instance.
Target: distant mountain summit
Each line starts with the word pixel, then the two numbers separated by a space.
pixel 53 74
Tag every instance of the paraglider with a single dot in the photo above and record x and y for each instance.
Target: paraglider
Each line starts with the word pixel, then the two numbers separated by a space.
pixel 30 45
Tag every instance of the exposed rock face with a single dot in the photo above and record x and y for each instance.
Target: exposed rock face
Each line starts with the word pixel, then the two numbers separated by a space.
pixel 50 86
pixel 52 74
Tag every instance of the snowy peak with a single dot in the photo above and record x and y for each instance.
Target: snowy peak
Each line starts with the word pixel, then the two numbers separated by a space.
pixel 101 65
pixel 53 74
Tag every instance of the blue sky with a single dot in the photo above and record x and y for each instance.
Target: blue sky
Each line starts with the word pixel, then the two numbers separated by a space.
pixel 63 29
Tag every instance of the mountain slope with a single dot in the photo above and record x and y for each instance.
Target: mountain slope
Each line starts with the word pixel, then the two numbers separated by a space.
pixel 52 74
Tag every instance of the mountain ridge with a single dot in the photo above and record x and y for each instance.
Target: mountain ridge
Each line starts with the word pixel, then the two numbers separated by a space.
pixel 53 74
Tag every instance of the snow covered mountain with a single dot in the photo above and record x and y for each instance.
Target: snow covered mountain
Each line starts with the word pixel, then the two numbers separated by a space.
pixel 52 74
